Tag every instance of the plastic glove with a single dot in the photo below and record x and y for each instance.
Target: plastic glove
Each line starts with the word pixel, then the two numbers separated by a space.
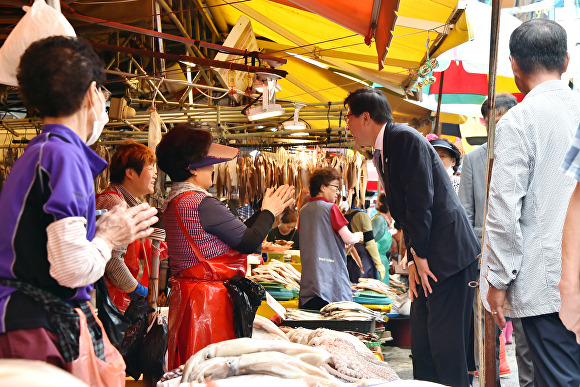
pixel 381 269
pixel 121 225
pixel 140 291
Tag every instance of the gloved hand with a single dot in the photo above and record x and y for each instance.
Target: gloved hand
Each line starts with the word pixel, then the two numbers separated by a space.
pixel 381 269
pixel 140 291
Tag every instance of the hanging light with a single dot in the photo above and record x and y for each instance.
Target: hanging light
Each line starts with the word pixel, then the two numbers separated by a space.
pixel 269 106
pixel 295 124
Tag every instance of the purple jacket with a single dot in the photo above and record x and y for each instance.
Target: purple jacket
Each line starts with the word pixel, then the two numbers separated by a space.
pixel 52 180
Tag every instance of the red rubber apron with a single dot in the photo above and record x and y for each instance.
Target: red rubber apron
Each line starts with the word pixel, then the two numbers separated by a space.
pixel 200 307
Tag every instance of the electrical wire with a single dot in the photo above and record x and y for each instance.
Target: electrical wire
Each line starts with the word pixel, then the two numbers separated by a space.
pixel 209 96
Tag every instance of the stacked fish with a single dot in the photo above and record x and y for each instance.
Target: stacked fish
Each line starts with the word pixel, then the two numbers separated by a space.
pixel 298 314
pixel 376 286
pixel 350 359
pixel 346 310
pixel 248 356
pixel 398 284
pixel 279 272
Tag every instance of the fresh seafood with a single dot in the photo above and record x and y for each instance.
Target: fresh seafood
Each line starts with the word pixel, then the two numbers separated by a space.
pixel 298 314
pixel 237 347
pixel 328 334
pixel 264 329
pixel 375 285
pixel 343 310
pixel 252 381
pixel 265 363
pixel 276 271
pixel 395 282
pixel 350 365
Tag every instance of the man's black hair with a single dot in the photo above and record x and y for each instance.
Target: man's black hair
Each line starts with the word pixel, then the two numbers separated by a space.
pixel 372 101
pixel 539 44
pixel 503 103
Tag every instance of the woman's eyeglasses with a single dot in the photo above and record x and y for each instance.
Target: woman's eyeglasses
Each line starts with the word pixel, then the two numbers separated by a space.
pixel 106 93
pixel 335 186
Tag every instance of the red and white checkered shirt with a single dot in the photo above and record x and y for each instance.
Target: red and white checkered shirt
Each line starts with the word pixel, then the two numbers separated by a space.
pixel 181 254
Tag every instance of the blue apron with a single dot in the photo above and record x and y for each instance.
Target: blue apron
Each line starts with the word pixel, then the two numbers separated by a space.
pixel 323 256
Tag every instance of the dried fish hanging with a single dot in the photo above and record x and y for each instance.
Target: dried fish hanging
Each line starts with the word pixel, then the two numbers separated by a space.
pixel 102 181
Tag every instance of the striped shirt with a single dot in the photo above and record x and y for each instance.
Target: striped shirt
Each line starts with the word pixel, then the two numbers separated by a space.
pixel 181 253
pixel 116 269
pixel 571 164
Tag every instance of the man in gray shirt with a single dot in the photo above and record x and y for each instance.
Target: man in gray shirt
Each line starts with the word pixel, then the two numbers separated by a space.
pixel 472 197
pixel 527 203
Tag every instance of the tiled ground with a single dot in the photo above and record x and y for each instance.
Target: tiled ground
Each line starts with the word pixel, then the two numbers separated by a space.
pixel 399 359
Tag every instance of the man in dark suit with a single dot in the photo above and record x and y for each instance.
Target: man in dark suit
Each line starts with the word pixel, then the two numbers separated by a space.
pixel 440 240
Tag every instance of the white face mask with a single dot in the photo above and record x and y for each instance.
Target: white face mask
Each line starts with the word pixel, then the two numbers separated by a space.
pixel 450 171
pixel 100 121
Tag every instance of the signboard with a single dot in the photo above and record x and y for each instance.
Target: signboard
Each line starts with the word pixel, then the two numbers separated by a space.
pixel 275 305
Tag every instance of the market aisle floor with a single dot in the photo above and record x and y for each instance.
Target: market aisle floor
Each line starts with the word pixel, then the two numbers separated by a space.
pixel 399 359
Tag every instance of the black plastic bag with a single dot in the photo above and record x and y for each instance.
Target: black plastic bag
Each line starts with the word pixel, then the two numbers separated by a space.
pixel 114 322
pixel 247 298
pixel 153 353
pixel 132 344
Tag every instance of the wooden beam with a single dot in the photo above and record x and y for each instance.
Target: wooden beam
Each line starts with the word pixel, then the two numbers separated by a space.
pixel 192 59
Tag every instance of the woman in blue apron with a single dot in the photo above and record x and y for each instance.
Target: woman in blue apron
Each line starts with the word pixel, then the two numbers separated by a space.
pixel 323 235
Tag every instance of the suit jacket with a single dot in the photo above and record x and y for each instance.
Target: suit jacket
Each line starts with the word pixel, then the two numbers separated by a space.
pixel 472 187
pixel 423 202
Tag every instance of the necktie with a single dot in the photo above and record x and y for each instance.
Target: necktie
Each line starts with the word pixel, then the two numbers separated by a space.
pixel 377 160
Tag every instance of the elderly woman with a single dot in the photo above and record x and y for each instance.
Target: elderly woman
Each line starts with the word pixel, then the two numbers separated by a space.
pixel 324 232
pixel 286 230
pixel 133 175
pixel 207 243
pixel 450 156
pixel 51 248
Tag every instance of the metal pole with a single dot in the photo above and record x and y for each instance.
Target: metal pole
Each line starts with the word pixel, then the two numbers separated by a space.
pixel 437 128
pixel 489 374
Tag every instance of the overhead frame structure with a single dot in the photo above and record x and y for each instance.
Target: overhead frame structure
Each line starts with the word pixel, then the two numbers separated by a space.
pixel 128 35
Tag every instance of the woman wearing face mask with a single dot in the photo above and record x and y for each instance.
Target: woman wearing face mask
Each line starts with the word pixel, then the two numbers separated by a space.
pixel 286 230
pixel 52 249
pixel 450 156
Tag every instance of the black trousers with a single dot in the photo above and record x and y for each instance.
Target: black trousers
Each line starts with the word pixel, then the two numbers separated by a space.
pixel 440 329
pixel 555 352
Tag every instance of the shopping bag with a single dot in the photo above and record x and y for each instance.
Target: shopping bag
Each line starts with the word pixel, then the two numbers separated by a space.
pixel 114 322
pixel 132 345
pixel 88 367
pixel 246 297
pixel 39 22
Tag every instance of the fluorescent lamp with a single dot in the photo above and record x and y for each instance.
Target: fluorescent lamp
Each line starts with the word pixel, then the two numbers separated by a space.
pixel 188 63
pixel 309 60
pixel 295 123
pixel 302 134
pixel 291 125
pixel 259 86
pixel 262 112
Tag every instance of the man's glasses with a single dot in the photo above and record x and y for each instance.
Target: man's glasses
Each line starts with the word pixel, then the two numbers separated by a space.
pixel 335 186
pixel 347 116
